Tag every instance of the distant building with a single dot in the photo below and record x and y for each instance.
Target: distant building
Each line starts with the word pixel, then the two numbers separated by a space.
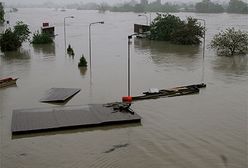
pixel 144 2
pixel 48 29
pixel 138 28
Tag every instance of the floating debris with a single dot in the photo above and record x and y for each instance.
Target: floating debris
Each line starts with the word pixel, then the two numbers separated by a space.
pixel 177 91
pixel 116 147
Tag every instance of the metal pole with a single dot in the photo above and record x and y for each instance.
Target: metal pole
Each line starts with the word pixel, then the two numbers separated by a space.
pixel 150 18
pixel 146 18
pixel 203 49
pixel 64 35
pixel 203 52
pixel 65 30
pixel 128 68
pixel 90 44
pixel 129 65
pixel 90 39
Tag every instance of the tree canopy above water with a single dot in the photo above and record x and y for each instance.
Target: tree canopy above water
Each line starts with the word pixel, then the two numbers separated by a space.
pixel 230 42
pixel 171 28
pixel 237 6
pixel 206 6
pixel 1 13
pixel 12 39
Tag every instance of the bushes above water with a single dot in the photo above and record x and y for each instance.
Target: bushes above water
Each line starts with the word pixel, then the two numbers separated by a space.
pixel 70 51
pixel 11 40
pixel 41 38
pixel 166 27
pixel 82 62
pixel 230 42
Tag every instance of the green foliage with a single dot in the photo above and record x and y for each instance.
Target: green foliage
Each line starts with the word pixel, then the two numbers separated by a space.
pixel 41 38
pixel 1 13
pixel 164 26
pixel 82 62
pixel 126 7
pixel 157 7
pixel 168 27
pixel 12 39
pixel 237 6
pixel 70 51
pixel 206 6
pixel 22 31
pixel 145 7
pixel 190 33
pixel 9 41
pixel 230 42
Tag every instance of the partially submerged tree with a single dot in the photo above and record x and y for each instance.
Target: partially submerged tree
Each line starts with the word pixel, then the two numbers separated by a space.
pixel 82 62
pixel 9 41
pixel 189 34
pixel 22 31
pixel 230 42
pixel 1 13
pixel 206 6
pixel 171 28
pixel 164 26
pixel 41 38
pixel 70 50
pixel 237 6
pixel 12 39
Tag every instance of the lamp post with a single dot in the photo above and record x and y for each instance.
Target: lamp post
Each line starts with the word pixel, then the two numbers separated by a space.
pixel 129 66
pixel 150 15
pixel 102 22
pixel 64 29
pixel 203 48
pixel 146 18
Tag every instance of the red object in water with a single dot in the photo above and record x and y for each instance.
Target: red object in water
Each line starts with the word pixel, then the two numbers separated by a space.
pixel 46 24
pixel 127 99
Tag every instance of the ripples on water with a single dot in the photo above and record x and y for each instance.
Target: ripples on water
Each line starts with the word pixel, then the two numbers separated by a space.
pixel 207 130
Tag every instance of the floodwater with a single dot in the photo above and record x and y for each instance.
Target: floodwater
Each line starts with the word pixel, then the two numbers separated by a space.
pixel 207 130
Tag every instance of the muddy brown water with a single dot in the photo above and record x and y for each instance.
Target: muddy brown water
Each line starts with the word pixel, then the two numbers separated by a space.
pixel 207 130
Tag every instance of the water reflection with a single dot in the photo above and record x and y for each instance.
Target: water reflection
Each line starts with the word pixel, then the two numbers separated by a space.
pixel 45 49
pixel 167 53
pixel 20 54
pixel 82 70
pixel 231 66
pixel 15 62
pixel 75 130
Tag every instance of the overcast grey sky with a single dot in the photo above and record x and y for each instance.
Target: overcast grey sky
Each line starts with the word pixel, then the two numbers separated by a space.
pixel 9 2
pixel 84 1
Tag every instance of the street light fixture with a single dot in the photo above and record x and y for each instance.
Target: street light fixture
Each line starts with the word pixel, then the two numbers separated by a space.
pixel 64 28
pixel 150 15
pixel 146 18
pixel 101 22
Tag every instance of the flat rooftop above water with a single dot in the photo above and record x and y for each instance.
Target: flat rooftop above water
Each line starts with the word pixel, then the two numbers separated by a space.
pixel 48 119
pixel 59 94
